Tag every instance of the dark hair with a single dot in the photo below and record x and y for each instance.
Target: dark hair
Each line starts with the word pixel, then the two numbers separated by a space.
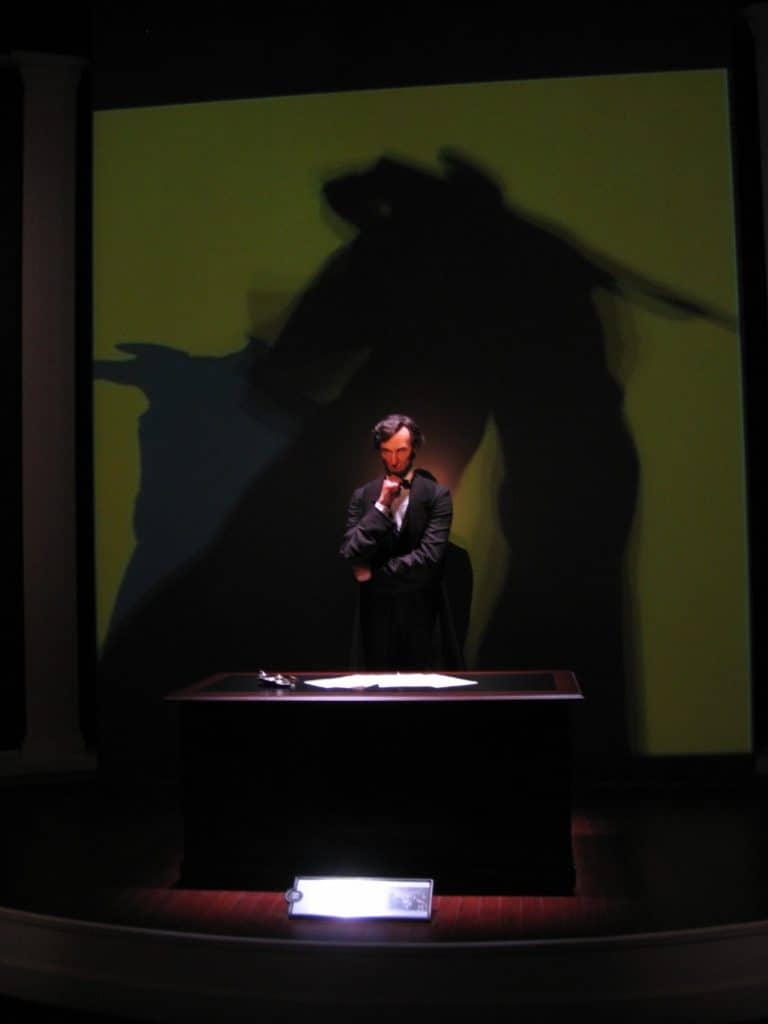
pixel 390 425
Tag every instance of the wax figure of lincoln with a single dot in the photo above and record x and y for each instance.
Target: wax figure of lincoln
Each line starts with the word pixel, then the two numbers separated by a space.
pixel 395 539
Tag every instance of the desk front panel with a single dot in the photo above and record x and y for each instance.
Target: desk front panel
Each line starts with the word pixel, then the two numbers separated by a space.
pixel 471 792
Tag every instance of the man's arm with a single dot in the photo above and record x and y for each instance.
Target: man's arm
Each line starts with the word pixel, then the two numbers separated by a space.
pixel 364 530
pixel 431 548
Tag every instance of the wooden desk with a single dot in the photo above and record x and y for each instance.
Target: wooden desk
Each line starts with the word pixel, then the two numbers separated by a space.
pixel 470 786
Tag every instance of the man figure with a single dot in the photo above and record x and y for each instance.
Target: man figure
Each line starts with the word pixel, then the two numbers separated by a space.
pixel 396 537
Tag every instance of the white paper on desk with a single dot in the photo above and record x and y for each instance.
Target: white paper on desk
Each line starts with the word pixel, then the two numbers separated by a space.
pixel 391 681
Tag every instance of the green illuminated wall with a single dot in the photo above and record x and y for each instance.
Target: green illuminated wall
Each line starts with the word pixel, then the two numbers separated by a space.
pixel 208 223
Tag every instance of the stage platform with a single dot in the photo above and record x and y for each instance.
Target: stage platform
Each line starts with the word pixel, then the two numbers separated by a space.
pixel 669 920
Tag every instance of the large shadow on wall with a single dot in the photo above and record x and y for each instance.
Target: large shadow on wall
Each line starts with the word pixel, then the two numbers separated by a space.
pixel 453 307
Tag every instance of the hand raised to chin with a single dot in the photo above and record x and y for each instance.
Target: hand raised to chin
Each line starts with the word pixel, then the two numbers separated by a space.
pixel 390 489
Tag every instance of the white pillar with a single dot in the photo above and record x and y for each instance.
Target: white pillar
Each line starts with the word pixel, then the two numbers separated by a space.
pixel 53 740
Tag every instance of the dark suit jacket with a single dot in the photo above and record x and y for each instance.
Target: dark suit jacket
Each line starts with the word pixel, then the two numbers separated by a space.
pixel 411 559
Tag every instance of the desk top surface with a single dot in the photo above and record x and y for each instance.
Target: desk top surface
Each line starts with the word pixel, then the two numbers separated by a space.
pixel 530 685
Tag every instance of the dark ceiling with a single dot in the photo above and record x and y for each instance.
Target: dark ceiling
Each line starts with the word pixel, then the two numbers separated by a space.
pixel 143 53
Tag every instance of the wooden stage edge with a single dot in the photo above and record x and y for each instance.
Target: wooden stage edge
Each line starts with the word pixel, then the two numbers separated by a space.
pixel 705 974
